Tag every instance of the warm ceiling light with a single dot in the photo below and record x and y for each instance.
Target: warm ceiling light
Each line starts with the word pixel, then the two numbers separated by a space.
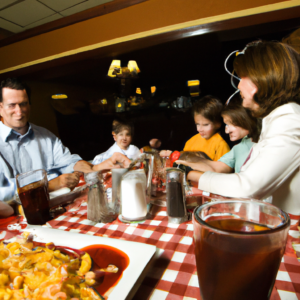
pixel 194 87
pixel 115 68
pixel 193 82
pixel 138 91
pixel 133 67
pixel 59 96
pixel 153 90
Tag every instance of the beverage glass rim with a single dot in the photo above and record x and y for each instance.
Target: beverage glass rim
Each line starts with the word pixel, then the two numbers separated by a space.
pixel 118 170
pixel 26 173
pixel 171 169
pixel 285 223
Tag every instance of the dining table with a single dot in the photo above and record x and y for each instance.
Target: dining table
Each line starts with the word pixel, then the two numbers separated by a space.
pixel 171 274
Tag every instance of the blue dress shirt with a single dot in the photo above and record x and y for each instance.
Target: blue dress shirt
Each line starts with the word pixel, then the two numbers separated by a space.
pixel 37 149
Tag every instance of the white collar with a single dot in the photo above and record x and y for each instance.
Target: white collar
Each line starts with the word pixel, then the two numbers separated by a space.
pixel 5 131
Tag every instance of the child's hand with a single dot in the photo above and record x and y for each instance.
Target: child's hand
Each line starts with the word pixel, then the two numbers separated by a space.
pixel 120 161
pixel 165 153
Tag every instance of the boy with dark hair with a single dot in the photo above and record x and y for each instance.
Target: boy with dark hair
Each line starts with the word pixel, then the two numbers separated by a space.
pixel 208 120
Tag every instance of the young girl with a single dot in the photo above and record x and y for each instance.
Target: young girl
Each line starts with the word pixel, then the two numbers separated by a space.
pixel 240 124
pixel 122 132
pixel 207 116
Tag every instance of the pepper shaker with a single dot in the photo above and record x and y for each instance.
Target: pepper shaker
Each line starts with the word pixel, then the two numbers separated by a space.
pixel 176 207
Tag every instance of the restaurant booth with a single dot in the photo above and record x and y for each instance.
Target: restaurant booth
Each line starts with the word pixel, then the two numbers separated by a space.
pixel 66 64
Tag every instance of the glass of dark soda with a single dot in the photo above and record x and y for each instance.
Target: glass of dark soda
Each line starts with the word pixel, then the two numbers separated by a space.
pixel 33 193
pixel 238 247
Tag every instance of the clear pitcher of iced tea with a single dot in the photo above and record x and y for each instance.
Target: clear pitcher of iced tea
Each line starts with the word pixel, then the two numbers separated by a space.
pixel 33 193
pixel 238 247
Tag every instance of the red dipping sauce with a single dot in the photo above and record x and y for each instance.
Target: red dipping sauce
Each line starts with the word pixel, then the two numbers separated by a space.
pixel 103 256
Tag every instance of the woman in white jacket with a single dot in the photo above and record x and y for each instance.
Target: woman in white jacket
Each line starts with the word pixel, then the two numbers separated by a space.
pixel 270 88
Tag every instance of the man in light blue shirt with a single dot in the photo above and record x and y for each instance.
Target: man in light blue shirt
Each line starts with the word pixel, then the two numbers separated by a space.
pixel 25 147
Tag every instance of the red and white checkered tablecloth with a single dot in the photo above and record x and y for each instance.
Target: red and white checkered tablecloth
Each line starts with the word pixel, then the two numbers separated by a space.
pixel 173 274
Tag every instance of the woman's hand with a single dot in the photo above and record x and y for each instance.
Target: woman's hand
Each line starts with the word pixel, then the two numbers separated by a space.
pixel 198 166
pixel 207 165
pixel 203 165
pixel 194 176
pixel 186 163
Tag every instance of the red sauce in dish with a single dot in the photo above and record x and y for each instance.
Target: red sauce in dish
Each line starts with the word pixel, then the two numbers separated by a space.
pixel 103 256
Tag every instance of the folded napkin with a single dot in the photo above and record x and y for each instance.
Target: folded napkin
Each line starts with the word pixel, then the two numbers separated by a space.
pixel 59 192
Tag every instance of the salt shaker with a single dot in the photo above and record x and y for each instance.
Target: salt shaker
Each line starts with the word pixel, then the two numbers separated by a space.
pixel 176 208
pixel 98 209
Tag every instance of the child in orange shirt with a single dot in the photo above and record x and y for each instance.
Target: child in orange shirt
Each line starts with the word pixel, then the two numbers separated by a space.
pixel 208 120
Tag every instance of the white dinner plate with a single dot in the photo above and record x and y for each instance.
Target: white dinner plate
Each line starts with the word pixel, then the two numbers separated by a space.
pixel 139 254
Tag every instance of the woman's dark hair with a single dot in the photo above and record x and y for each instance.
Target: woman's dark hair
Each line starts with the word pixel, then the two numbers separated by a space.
pixel 210 108
pixel 119 125
pixel 242 117
pixel 274 68
pixel 14 84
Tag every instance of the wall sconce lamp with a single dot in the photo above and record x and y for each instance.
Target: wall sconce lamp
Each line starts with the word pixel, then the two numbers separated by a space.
pixel 115 69
pixel 194 87
pixel 133 67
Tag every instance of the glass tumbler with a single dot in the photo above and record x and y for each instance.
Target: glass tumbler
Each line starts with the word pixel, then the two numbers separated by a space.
pixel 116 184
pixel 33 193
pixel 98 208
pixel 238 247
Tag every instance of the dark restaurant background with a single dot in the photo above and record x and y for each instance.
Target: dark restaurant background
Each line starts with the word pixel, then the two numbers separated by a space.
pixel 84 125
